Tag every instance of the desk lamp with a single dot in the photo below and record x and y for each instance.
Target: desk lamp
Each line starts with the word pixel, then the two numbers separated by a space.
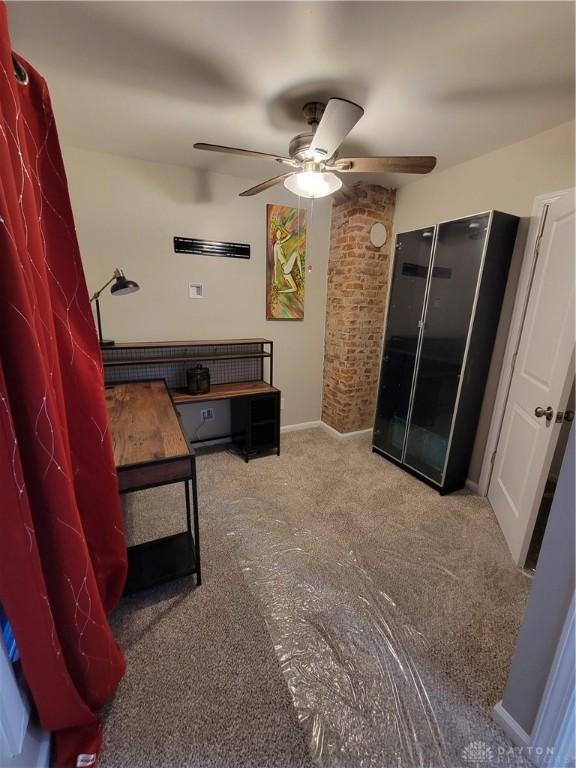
pixel 121 285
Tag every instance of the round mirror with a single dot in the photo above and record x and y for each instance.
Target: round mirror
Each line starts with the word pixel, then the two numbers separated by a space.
pixel 378 235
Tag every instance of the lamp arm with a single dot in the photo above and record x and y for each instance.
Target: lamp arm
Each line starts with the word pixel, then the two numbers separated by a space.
pixel 96 294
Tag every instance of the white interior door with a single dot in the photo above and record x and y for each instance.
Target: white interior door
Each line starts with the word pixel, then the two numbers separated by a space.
pixel 541 379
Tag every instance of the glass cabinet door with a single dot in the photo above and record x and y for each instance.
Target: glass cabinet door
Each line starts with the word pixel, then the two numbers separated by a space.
pixel 456 268
pixel 411 264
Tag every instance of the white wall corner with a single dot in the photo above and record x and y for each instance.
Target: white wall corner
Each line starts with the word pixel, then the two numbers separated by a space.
pixel 472 485
pixel 510 727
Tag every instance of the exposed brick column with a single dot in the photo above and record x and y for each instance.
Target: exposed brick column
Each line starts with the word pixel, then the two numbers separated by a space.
pixel 355 307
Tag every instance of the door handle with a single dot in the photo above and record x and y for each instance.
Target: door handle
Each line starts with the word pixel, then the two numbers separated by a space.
pixel 548 412
pixel 564 416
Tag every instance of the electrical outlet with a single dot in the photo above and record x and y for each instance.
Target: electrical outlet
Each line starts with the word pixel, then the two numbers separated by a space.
pixel 196 290
pixel 207 414
pixel 281 403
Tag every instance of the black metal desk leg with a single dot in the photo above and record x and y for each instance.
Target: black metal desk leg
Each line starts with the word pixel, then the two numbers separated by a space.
pixel 187 494
pixel 196 523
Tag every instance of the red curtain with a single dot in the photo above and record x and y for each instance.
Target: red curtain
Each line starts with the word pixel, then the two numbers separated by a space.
pixel 62 550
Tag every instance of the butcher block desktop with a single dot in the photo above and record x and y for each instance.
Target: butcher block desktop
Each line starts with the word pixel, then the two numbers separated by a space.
pixel 145 425
pixel 150 449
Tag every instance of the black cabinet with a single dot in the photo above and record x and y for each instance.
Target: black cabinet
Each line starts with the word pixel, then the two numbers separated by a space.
pixel 446 294
pixel 256 424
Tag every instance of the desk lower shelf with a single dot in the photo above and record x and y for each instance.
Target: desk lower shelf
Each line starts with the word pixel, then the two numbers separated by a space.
pixel 155 562
pixel 223 392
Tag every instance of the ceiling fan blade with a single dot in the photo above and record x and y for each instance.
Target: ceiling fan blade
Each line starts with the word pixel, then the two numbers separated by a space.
pixel 244 152
pixel 400 164
pixel 265 185
pixel 339 117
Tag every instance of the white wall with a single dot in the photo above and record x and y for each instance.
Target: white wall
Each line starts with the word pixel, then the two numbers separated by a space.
pixel 508 180
pixel 127 211
pixel 548 603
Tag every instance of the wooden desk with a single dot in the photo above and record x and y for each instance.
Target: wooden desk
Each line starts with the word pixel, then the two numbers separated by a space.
pixel 238 372
pixel 150 449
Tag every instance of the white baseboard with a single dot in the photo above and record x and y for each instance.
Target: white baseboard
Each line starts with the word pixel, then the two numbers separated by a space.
pixel 299 427
pixel 327 427
pixel 472 485
pixel 510 727
pixel 344 435
pixel 291 428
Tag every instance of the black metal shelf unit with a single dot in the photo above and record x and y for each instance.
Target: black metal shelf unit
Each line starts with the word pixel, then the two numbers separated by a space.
pixel 256 424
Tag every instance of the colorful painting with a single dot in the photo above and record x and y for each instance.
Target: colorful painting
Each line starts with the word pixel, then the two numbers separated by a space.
pixel 285 262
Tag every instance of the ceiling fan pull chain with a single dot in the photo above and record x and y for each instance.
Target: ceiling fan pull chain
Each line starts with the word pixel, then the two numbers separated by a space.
pixel 299 198
pixel 311 211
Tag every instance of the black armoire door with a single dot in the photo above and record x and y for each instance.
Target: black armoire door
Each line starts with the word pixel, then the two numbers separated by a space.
pixel 453 287
pixel 410 277
pixel 446 295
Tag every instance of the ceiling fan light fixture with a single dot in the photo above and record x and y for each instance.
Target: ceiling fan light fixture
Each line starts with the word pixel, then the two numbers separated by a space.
pixel 316 152
pixel 317 155
pixel 313 183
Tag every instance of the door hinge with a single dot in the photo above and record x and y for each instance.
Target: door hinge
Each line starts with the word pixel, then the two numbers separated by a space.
pixel 513 363
pixel 492 459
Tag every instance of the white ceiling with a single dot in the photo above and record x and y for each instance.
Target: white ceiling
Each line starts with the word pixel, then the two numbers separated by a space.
pixel 148 79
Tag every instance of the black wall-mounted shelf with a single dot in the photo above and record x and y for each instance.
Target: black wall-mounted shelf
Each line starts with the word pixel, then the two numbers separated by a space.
pixel 211 248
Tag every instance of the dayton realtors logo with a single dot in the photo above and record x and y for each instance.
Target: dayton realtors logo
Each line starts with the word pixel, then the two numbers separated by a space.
pixel 480 755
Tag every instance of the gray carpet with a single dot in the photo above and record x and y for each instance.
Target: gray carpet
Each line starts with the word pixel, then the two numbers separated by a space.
pixel 393 613
pixel 203 687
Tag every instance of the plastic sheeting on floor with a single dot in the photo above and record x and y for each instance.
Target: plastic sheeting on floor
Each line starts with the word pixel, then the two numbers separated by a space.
pixel 362 679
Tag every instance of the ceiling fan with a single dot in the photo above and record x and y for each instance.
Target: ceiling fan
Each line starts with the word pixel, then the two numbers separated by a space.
pixel 313 155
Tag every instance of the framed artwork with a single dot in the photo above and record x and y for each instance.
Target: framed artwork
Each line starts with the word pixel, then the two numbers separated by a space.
pixel 285 262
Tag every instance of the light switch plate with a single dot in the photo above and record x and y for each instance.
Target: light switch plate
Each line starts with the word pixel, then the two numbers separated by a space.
pixel 196 290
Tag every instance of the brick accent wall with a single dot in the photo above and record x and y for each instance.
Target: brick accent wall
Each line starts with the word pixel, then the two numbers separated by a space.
pixel 355 307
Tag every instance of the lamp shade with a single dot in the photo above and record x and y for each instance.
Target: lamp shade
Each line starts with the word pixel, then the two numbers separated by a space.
pixel 122 285
pixel 313 183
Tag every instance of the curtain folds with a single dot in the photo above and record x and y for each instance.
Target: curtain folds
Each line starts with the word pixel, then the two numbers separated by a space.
pixel 62 549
